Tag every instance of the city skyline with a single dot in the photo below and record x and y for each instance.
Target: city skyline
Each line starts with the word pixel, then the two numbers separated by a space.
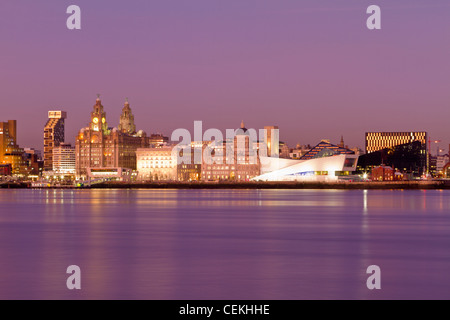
pixel 313 70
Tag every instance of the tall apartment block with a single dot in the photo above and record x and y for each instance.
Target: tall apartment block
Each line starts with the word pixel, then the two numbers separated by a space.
pixel 53 136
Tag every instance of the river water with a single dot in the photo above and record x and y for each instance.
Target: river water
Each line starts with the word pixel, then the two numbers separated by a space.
pixel 224 244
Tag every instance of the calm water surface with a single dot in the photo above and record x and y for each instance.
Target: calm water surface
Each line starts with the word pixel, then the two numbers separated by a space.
pixel 224 244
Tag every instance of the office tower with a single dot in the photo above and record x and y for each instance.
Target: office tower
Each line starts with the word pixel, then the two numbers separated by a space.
pixel 53 136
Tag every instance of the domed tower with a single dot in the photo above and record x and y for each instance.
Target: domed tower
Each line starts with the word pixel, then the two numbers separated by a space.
pixel 126 124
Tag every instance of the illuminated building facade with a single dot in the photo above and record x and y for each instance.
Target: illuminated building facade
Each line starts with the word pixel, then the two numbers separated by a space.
pixel 64 159
pixel 155 164
pixel 441 161
pixel 189 170
pixel 381 140
pixel 100 146
pixel 383 173
pixel 10 152
pixel 53 136
pixel 242 164
pixel 320 169
pixel 324 162
pixel 446 171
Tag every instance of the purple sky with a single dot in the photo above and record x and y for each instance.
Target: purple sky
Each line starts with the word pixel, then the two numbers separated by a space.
pixel 311 67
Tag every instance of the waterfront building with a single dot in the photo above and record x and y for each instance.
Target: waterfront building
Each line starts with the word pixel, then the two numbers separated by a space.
pixel 325 162
pixel 98 175
pixel 10 152
pixel 100 146
pixel 383 173
pixel 190 170
pixel 242 164
pixel 155 164
pixel 33 166
pixel 323 168
pixel 54 132
pixel 410 159
pixel 376 141
pixel 64 159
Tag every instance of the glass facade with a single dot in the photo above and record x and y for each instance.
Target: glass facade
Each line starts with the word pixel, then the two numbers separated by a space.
pixel 376 141
pixel 409 158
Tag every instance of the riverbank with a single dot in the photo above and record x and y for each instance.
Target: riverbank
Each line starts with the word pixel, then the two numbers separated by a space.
pixel 280 185
pixel 425 185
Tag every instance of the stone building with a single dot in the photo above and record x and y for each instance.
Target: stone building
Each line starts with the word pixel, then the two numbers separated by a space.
pixel 100 146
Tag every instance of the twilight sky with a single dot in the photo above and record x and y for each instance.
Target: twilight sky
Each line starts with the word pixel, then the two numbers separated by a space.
pixel 309 66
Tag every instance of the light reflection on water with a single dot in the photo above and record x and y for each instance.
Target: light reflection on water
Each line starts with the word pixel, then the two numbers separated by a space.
pixel 224 244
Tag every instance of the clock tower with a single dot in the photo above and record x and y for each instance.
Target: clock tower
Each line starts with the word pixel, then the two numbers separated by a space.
pixel 98 117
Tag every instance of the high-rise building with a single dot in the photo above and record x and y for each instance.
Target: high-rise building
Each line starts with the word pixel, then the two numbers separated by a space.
pixel 376 141
pixel 53 136
pixel 64 159
pixel 10 152
pixel 101 147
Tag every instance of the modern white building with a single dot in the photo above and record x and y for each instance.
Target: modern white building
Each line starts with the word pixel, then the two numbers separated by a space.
pixel 326 169
pixel 323 163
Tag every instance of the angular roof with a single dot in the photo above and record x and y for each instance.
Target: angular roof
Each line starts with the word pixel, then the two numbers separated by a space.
pixel 325 149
